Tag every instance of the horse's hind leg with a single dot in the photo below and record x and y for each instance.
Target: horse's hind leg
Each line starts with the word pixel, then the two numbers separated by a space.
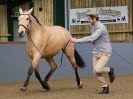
pixel 72 60
pixel 30 71
pixel 79 83
pixel 53 68
pixel 69 51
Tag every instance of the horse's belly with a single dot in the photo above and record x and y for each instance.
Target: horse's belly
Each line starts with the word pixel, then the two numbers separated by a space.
pixel 48 52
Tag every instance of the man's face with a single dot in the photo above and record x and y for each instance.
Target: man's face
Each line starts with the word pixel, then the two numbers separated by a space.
pixel 91 20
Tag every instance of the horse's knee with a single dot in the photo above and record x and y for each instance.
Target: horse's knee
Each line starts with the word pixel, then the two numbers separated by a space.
pixel 53 68
pixel 34 65
pixel 35 61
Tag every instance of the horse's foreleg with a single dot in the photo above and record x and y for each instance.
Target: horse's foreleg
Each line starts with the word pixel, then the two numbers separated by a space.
pixel 30 71
pixel 53 68
pixel 38 77
pixel 35 65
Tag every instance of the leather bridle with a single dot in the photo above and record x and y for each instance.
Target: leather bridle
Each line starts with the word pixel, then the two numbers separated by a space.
pixel 26 28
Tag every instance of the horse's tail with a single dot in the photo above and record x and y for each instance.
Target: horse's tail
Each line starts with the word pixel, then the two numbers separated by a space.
pixel 79 61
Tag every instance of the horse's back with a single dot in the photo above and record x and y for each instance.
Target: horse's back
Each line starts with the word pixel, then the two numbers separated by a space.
pixel 58 34
pixel 58 30
pixel 58 38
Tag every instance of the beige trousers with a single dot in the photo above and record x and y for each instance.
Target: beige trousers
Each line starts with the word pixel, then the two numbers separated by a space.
pixel 99 67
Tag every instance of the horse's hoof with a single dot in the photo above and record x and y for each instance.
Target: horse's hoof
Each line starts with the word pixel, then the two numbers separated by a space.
pixel 46 86
pixel 81 85
pixel 23 89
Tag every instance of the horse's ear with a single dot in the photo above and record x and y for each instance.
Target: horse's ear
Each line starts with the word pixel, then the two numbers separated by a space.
pixel 30 11
pixel 20 10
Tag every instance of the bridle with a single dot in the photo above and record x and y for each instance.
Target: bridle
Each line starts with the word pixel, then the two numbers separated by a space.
pixel 26 28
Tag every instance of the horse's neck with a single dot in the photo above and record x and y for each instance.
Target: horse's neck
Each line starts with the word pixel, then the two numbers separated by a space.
pixel 36 36
pixel 34 27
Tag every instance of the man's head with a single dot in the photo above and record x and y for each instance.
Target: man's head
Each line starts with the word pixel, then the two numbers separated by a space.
pixel 92 16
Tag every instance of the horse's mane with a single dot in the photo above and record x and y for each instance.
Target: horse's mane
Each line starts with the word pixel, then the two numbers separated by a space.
pixel 36 19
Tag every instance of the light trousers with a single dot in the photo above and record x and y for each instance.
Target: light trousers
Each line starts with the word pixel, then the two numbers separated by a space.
pixel 99 67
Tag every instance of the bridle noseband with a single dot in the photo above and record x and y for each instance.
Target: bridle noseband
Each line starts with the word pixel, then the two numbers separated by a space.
pixel 23 26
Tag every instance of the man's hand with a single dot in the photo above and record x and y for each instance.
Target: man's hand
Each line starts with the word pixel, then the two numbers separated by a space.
pixel 74 40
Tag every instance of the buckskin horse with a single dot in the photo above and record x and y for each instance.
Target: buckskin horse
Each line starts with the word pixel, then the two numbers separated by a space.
pixel 46 42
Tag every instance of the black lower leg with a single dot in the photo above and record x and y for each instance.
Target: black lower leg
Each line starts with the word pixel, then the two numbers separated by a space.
pixel 48 76
pixel 46 85
pixel 77 77
pixel 39 77
pixel 30 71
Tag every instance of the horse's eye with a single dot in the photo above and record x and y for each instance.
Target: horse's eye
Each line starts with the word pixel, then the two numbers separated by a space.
pixel 27 18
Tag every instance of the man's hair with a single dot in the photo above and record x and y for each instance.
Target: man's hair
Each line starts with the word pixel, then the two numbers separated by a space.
pixel 92 17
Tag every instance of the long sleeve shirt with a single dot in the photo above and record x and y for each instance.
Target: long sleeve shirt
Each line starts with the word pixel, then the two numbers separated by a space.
pixel 100 39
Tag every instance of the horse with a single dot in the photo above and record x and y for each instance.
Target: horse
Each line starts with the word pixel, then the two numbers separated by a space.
pixel 45 42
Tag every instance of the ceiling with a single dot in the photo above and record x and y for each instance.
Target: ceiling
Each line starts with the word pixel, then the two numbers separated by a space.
pixel 13 2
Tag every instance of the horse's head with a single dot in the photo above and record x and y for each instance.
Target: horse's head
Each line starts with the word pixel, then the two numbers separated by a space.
pixel 24 21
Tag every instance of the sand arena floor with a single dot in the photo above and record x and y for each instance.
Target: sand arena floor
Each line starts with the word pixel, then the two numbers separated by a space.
pixel 65 88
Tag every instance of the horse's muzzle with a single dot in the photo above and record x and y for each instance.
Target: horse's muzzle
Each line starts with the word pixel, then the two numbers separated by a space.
pixel 21 34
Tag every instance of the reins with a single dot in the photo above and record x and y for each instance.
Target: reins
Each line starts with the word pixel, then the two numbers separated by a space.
pixel 63 50
pixel 34 44
pixel 26 28
pixel 30 38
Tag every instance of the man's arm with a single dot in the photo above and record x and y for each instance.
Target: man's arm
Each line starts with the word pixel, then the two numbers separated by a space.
pixel 92 37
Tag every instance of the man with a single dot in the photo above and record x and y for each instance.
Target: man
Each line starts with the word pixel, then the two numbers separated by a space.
pixel 102 51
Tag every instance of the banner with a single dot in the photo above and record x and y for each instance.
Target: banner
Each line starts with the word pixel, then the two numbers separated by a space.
pixel 107 15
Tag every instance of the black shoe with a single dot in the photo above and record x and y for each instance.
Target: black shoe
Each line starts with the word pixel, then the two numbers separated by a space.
pixel 104 90
pixel 111 74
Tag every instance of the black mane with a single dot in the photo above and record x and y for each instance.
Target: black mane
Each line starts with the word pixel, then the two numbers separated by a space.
pixel 36 20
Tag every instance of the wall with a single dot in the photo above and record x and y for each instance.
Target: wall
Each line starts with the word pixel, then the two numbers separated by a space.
pixel 118 32
pixel 3 24
pixel 14 62
pixel 43 10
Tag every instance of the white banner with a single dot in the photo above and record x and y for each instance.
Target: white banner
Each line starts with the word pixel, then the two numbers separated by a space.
pixel 107 15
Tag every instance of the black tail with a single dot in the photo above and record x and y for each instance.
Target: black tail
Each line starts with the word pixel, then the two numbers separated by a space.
pixel 79 61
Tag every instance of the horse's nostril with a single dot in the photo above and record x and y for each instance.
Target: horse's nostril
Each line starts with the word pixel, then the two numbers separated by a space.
pixel 21 34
